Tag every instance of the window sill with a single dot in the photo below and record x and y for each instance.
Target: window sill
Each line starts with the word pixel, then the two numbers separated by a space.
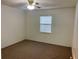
pixel 46 32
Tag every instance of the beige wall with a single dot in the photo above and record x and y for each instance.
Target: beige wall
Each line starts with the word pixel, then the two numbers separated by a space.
pixel 12 25
pixel 75 36
pixel 62 28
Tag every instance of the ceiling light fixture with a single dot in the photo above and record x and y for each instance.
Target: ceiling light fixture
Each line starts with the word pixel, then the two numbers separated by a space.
pixel 31 7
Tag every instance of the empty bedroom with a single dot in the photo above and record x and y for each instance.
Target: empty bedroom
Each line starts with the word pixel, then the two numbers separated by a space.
pixel 39 29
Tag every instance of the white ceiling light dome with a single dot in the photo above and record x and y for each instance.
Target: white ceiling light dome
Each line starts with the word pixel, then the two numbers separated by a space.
pixel 31 7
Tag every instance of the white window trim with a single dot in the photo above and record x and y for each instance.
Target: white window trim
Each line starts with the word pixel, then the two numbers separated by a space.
pixel 46 24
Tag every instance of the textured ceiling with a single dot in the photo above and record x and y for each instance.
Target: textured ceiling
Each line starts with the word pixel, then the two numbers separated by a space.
pixel 44 4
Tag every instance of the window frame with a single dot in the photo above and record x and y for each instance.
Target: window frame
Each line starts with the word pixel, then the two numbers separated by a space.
pixel 47 24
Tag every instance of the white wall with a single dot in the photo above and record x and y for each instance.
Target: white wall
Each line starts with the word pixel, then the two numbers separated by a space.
pixel 62 26
pixel 12 25
pixel 75 36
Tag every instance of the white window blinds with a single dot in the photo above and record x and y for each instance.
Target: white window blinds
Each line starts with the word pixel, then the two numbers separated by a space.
pixel 45 24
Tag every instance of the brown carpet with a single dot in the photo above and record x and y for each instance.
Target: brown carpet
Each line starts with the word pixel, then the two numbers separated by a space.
pixel 35 50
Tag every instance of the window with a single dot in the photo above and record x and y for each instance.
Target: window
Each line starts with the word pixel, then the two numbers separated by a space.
pixel 45 24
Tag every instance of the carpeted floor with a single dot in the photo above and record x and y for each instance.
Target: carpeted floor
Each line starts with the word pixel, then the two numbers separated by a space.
pixel 35 50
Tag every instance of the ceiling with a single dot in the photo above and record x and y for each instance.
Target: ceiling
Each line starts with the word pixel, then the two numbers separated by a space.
pixel 44 4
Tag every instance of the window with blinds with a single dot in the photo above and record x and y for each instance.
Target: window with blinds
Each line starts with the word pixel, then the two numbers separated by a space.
pixel 45 24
